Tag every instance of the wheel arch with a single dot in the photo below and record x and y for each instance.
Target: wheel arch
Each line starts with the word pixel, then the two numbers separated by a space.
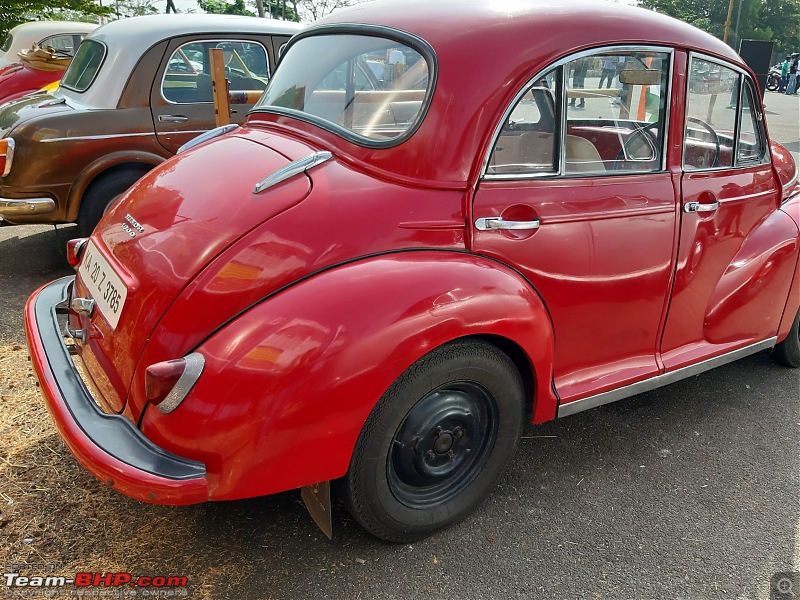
pixel 321 367
pixel 107 165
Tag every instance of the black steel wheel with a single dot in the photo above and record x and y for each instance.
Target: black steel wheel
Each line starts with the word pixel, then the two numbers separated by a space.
pixel 436 442
pixel 787 352
pixel 103 192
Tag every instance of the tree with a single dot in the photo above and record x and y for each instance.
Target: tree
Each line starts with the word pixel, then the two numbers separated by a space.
pixel 311 10
pixel 14 12
pixel 776 20
pixel 222 7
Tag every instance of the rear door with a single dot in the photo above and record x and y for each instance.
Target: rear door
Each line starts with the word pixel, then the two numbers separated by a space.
pixel 181 99
pixel 577 198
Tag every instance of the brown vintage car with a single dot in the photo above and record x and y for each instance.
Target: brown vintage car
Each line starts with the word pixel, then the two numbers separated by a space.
pixel 135 92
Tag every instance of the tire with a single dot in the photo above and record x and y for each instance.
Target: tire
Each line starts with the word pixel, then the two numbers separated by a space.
pixel 787 352
pixel 101 194
pixel 436 443
pixel 773 83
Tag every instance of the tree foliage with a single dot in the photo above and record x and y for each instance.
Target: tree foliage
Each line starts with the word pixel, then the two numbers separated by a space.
pixel 14 12
pixel 775 20
pixel 223 7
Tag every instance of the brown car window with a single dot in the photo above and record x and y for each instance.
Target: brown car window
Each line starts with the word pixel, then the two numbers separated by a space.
pixel 84 67
pixel 187 78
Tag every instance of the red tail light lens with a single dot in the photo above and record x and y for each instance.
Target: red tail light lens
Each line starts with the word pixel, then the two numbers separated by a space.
pixel 160 378
pixel 167 383
pixel 75 250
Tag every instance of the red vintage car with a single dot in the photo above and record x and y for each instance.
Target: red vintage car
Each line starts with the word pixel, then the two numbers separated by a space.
pixel 368 287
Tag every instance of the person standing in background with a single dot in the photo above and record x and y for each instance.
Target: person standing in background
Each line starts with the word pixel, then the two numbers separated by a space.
pixel 791 86
pixel 610 71
pixel 784 74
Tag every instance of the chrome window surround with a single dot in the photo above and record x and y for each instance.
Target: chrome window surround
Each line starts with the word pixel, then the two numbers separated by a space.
pixel 206 41
pixel 744 79
pixel 561 172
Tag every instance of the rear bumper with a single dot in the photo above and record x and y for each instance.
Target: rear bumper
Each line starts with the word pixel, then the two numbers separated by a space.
pixel 21 207
pixel 110 447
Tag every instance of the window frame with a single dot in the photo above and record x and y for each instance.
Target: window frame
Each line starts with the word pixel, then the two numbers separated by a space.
pixel 203 41
pixel 744 78
pixel 561 123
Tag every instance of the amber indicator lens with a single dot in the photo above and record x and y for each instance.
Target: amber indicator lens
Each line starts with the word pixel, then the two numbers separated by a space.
pixel 160 378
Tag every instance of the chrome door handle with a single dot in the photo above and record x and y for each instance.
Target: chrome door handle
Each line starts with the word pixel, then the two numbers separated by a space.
pixel 691 207
pixel 172 118
pixel 485 223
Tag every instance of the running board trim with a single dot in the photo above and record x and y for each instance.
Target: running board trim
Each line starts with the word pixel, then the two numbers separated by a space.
pixel 658 381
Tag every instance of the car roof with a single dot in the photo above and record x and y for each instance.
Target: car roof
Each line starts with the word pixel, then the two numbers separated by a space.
pixel 127 40
pixel 485 54
pixel 26 34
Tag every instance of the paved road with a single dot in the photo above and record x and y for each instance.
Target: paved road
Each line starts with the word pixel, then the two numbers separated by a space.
pixel 689 491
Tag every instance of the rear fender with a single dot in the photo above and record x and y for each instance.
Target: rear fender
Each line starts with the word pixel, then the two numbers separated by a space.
pixel 288 385
pixel 146 160
pixel 791 207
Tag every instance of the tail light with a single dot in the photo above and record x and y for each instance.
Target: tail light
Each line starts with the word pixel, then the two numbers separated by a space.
pixel 75 250
pixel 167 383
pixel 6 155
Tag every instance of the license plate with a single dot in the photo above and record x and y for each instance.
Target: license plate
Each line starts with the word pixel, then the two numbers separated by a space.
pixel 105 286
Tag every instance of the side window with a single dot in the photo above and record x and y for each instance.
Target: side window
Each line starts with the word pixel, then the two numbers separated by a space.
pixel 64 42
pixel 187 78
pixel 712 102
pixel 751 146
pixel 600 114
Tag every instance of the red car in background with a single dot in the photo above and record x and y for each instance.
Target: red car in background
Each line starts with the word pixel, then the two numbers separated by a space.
pixel 371 285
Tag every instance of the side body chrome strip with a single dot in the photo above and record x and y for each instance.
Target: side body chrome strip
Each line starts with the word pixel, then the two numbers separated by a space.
pixel 658 381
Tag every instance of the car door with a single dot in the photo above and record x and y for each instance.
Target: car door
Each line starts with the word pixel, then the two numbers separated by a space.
pixel 732 260
pixel 181 97
pixel 577 198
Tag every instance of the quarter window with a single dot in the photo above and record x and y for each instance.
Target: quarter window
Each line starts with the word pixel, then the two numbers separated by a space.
pixel 751 147
pixel 187 78
pixel 598 114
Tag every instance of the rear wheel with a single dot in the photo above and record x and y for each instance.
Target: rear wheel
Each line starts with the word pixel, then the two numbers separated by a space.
pixel 788 351
pixel 435 444
pixel 101 195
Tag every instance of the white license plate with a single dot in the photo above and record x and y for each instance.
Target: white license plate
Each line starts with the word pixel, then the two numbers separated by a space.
pixel 105 286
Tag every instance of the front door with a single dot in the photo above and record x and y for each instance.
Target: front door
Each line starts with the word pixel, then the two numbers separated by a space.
pixel 181 99
pixel 577 198
pixel 728 275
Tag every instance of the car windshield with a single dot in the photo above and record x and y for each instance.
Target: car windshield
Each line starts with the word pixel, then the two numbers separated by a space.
pixel 364 87
pixel 84 67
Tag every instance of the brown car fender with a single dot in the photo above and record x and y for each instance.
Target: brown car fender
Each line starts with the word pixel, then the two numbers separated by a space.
pixel 103 165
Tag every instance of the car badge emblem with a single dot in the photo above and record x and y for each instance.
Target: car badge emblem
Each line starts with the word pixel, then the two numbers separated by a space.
pixel 131 226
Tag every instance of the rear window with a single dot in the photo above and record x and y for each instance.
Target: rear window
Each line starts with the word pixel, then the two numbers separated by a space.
pixel 84 67
pixel 369 89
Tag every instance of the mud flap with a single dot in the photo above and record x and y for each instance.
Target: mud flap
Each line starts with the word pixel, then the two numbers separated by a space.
pixel 317 499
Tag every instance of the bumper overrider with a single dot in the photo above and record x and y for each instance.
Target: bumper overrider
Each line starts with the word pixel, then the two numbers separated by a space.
pixel 110 447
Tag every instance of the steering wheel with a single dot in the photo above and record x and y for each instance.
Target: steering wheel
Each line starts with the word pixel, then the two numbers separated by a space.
pixel 714 137
pixel 641 131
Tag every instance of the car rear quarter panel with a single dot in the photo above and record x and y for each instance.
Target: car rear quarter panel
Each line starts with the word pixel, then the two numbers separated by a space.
pixel 288 385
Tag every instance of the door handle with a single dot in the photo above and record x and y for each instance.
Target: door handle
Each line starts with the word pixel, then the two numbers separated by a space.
pixel 172 118
pixel 692 207
pixel 487 223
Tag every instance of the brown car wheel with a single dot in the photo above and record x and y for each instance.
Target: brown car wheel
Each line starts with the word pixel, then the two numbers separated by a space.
pixel 102 193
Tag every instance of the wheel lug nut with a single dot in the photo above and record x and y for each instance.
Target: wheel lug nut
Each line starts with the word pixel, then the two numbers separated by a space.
pixel 450 456
pixel 439 431
pixel 431 455
pixel 458 431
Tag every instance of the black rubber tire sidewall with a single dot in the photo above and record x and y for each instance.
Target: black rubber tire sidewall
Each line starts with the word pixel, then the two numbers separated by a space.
pixel 99 195
pixel 366 489
pixel 787 352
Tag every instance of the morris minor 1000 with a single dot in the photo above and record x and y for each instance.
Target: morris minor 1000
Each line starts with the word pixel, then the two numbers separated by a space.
pixel 415 243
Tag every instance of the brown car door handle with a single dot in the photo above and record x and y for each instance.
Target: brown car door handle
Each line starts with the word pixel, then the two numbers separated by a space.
pixel 172 118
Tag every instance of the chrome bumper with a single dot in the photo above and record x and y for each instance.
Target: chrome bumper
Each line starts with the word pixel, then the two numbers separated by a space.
pixel 18 207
